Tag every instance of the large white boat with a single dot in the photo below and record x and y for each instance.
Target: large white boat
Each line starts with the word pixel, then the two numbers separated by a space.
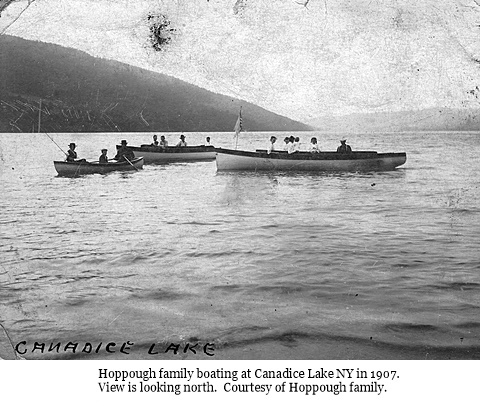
pixel 236 160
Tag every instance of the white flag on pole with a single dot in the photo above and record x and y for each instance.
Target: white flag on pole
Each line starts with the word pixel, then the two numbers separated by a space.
pixel 238 127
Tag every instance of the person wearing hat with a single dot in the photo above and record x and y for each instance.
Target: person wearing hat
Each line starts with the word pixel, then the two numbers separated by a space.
pixel 182 142
pixel 124 153
pixel 344 148
pixel 103 158
pixel 71 154
pixel 271 144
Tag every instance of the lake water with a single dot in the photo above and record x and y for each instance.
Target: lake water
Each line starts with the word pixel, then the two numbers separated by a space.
pixel 256 265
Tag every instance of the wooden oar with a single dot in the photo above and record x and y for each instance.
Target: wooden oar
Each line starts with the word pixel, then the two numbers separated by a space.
pixel 134 167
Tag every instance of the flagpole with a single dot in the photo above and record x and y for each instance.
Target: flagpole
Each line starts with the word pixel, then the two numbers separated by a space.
pixel 238 127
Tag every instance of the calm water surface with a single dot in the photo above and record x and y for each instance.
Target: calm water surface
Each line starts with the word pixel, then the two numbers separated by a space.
pixel 264 265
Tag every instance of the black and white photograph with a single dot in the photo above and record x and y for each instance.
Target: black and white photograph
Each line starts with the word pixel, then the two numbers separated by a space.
pixel 224 180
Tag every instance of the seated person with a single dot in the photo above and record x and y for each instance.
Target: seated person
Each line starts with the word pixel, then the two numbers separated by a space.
pixel 296 144
pixel 313 145
pixel 71 154
pixel 182 142
pixel 290 145
pixel 344 148
pixel 155 141
pixel 271 144
pixel 124 153
pixel 207 142
pixel 103 158
pixel 286 140
pixel 163 142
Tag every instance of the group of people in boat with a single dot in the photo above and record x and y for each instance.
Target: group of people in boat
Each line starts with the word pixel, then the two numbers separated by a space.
pixel 124 154
pixel 163 143
pixel 292 145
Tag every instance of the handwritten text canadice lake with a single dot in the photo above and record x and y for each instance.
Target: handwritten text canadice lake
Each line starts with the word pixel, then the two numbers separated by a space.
pixel 190 348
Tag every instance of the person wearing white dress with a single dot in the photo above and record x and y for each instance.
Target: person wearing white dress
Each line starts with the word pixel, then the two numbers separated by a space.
pixel 291 146
pixel 271 144
pixel 314 146
pixel 296 144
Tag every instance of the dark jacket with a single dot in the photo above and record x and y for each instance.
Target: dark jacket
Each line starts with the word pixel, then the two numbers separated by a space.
pixel 72 155
pixel 344 149
pixel 124 152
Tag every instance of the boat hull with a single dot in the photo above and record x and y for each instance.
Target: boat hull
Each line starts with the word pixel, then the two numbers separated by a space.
pixel 234 160
pixel 153 155
pixel 88 168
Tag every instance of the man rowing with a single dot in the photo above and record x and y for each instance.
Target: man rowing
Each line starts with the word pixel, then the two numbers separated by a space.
pixel 124 153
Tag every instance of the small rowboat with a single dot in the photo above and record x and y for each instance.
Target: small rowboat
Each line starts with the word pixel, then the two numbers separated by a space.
pixel 87 168
pixel 153 154
pixel 236 160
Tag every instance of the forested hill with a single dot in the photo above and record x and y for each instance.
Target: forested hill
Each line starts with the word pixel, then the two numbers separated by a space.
pixel 81 93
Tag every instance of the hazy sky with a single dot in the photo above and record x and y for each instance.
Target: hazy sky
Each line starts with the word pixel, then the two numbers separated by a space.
pixel 330 57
